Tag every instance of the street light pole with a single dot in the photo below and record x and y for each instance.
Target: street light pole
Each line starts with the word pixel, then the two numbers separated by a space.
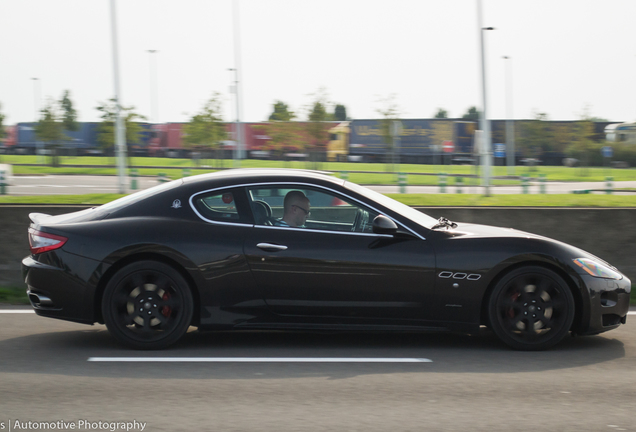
pixel 120 132
pixel 237 68
pixel 510 128
pixel 154 106
pixel 234 89
pixel 37 90
pixel 486 147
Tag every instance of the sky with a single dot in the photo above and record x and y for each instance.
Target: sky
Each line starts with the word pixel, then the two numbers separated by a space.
pixel 568 58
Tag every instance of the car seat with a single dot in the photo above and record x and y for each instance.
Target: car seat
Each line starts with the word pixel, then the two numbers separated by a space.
pixel 262 213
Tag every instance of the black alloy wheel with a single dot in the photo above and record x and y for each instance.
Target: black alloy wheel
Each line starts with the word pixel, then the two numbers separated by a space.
pixel 147 305
pixel 531 308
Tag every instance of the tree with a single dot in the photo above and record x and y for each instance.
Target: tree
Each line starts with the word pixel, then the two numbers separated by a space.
pixel 536 136
pixel 69 114
pixel 340 113
pixel 281 112
pixel 441 113
pixel 472 114
pixel 285 134
pixel 206 130
pixel 390 112
pixel 50 129
pixel 106 130
pixel 317 115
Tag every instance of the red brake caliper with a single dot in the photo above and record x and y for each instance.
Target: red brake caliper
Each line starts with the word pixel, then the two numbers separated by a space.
pixel 166 310
pixel 511 311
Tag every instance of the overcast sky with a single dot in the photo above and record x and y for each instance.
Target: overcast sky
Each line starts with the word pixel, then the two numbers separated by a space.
pixel 568 56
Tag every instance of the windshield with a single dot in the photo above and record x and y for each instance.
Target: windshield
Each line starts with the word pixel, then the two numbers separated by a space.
pixel 416 216
pixel 138 196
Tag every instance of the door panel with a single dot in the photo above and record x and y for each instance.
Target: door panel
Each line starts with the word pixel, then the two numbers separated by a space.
pixel 342 274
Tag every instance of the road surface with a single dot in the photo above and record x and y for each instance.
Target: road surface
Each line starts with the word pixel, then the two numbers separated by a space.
pixel 471 383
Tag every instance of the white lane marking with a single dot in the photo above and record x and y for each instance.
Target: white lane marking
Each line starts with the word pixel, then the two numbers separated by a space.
pixel 16 311
pixel 261 359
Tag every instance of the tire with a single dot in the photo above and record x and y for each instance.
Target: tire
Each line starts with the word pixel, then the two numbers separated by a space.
pixel 147 305
pixel 531 308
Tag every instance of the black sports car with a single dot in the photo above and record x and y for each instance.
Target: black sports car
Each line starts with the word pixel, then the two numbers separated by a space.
pixel 300 250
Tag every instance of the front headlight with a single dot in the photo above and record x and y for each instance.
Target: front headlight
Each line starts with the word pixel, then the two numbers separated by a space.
pixel 597 269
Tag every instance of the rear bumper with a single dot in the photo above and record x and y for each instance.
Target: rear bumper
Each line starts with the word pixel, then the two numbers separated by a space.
pixel 609 303
pixel 56 292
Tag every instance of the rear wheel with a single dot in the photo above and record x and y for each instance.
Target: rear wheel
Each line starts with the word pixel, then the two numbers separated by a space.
pixel 531 308
pixel 147 305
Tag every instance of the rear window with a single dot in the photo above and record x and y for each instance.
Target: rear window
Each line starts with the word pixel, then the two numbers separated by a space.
pixel 221 206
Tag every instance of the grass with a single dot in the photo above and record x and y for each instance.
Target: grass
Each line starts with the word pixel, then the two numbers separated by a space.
pixel 13 295
pixel 505 200
pixel 367 173
pixel 88 199
pixel 417 200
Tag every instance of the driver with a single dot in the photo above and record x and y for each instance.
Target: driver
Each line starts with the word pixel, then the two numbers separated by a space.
pixel 296 210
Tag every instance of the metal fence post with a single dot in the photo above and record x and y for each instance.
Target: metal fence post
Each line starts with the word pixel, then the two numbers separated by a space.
pixel 133 179
pixel 542 183
pixel 610 185
pixel 442 182
pixel 162 178
pixel 524 184
pixel 459 183
pixel 402 182
pixel 186 172
pixel 344 175
pixel 3 184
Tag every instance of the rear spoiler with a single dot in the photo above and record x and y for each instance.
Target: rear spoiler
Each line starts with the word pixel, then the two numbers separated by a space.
pixel 37 217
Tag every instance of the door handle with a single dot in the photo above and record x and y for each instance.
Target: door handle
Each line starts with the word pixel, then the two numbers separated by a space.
pixel 271 247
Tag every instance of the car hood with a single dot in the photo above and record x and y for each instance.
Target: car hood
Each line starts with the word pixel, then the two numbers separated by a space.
pixel 473 230
pixel 468 230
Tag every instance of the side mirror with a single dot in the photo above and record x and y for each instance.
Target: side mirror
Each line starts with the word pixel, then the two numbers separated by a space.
pixel 384 225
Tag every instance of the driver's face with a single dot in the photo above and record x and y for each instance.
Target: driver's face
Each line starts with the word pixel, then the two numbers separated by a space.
pixel 301 212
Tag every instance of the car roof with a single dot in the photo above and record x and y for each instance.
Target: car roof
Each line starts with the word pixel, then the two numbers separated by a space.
pixel 251 175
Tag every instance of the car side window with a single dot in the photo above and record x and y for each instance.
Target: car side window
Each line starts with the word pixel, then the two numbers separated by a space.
pixel 327 210
pixel 221 206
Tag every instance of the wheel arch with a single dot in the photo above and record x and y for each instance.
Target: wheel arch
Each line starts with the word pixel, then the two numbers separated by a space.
pixel 149 256
pixel 574 289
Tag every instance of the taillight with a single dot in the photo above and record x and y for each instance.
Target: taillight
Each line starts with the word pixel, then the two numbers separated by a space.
pixel 43 242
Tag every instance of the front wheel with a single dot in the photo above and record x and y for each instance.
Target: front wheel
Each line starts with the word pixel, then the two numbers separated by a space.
pixel 531 308
pixel 147 305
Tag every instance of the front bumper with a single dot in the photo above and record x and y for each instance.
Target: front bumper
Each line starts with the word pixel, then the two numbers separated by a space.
pixel 609 304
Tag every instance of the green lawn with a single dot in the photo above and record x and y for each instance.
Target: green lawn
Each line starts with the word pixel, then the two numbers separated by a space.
pixel 364 173
pixel 423 200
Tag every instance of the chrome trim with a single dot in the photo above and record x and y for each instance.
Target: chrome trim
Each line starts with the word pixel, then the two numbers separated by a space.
pixel 445 274
pixel 459 276
pixel 473 277
pixel 291 183
pixel 270 247
pixel 39 300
